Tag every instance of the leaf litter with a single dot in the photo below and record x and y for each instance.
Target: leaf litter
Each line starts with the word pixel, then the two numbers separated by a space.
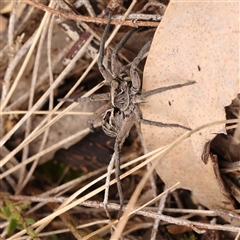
pixel 138 227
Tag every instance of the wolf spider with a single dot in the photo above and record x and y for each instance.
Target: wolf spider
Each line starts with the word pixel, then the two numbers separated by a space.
pixel 122 111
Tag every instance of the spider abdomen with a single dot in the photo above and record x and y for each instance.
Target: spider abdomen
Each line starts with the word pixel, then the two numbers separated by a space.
pixel 112 122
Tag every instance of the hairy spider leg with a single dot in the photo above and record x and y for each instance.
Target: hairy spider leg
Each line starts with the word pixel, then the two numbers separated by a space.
pixel 119 46
pixel 143 96
pixel 160 124
pixel 120 139
pixel 96 115
pixel 93 98
pixel 146 94
pixel 105 73
pixel 136 82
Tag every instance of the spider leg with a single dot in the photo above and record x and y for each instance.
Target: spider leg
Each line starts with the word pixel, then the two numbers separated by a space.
pixel 163 89
pixel 114 56
pixel 105 73
pixel 138 115
pixel 117 149
pixel 155 91
pixel 93 98
pixel 160 124
pixel 95 115
pixel 122 135
pixel 136 82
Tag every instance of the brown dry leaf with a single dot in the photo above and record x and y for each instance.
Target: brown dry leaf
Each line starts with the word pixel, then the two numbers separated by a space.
pixel 193 42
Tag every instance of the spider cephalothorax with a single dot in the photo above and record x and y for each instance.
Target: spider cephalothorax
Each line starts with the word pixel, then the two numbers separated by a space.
pixel 122 111
pixel 112 122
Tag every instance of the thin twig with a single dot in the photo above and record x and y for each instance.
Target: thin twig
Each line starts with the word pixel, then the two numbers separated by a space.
pixel 11 48
pixel 11 28
pixel 96 204
pixel 12 65
pixel 157 221
pixel 138 16
pixel 90 19
pixel 177 221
